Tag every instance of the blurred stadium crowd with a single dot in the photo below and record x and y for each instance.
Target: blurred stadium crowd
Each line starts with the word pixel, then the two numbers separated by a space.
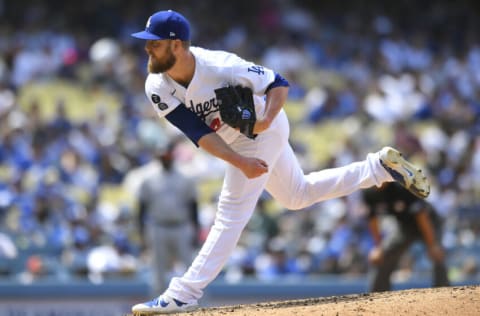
pixel 405 74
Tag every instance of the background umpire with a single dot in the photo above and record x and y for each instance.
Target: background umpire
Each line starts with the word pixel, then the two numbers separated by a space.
pixel 168 218
pixel 417 221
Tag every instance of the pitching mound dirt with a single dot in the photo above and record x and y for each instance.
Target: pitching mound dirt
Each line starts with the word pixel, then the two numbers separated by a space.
pixel 461 301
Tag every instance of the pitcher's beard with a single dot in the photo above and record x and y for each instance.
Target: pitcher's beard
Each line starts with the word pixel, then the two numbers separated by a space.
pixel 156 67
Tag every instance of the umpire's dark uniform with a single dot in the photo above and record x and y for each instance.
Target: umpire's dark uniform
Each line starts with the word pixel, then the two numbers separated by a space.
pixel 416 221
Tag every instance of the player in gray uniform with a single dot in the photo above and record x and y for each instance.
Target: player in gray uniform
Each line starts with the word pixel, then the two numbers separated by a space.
pixel 168 216
pixel 181 87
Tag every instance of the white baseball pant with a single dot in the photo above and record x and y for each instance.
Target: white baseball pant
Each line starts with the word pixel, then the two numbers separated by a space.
pixel 285 181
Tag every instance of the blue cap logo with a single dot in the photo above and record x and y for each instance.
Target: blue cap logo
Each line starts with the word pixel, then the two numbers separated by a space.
pixel 165 25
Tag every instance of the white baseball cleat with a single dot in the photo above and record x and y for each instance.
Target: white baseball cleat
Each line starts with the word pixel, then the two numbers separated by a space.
pixel 404 172
pixel 163 305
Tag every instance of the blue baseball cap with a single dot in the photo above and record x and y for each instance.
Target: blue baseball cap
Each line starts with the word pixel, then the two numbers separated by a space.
pixel 165 25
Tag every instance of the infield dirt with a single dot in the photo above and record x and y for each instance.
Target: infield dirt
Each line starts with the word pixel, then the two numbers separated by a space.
pixel 455 301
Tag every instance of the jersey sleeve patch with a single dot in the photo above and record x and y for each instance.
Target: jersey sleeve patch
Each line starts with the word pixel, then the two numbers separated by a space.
pixel 159 94
pixel 157 101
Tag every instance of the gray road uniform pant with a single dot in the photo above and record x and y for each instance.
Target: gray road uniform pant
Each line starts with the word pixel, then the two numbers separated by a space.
pixel 168 197
pixel 170 242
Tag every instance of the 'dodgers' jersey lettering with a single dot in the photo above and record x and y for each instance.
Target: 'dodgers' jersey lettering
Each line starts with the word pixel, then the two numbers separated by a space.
pixel 213 69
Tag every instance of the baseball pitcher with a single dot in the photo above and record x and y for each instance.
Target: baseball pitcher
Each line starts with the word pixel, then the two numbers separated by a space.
pixel 232 109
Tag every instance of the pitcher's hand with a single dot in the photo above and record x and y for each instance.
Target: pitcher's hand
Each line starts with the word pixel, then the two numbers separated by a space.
pixel 253 167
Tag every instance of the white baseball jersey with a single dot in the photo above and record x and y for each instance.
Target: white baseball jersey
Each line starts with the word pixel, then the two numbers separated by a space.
pixel 213 69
